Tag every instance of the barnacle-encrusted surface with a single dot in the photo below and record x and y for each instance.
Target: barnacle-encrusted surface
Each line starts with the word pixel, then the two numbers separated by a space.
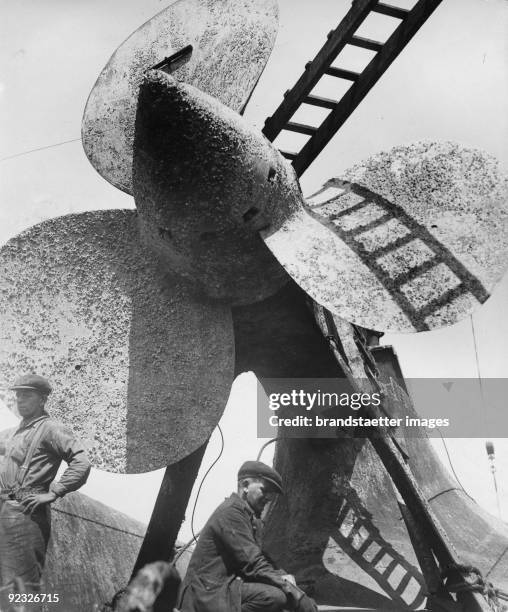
pixel 205 183
pixel 140 364
pixel 231 44
pixel 415 239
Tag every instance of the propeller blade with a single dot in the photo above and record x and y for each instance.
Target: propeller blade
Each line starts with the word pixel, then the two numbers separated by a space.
pixel 231 42
pixel 410 240
pixel 141 365
pixel 415 239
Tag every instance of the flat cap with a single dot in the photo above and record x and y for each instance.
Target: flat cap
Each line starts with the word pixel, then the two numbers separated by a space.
pixel 32 381
pixel 257 469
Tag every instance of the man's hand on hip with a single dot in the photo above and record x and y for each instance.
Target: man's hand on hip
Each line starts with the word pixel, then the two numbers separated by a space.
pixel 32 502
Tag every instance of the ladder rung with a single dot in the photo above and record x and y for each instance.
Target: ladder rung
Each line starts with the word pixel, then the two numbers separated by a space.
pixel 390 11
pixel 349 211
pixel 377 557
pixel 301 128
pixel 413 273
pixel 368 226
pixel 365 546
pixel 342 74
pixel 289 155
pixel 431 307
pixel 391 246
pixel 401 587
pixel 344 34
pixel 365 43
pixel 389 568
pixel 322 102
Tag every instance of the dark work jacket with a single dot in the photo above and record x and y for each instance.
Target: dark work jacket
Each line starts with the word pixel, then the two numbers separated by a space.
pixel 228 552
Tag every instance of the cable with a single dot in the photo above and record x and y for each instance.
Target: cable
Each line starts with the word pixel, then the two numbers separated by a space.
pixel 489 447
pixel 51 146
pixel 439 430
pixel 265 445
pixel 453 469
pixel 56 144
pixel 496 562
pixel 477 360
pixel 194 536
pixel 483 413
pixel 90 520
pixel 429 499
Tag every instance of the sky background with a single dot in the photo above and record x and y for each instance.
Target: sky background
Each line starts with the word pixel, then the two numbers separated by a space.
pixel 450 83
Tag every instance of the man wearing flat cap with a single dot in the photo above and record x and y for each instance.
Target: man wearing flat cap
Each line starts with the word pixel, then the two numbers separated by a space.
pixel 33 453
pixel 228 571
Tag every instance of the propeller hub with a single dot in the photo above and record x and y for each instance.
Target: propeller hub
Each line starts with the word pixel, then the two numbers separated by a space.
pixel 205 184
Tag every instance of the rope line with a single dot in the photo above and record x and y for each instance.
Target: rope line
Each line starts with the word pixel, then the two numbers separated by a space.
pixel 471 580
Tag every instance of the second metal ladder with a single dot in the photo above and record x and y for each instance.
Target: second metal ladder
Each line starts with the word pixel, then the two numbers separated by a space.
pixel 345 34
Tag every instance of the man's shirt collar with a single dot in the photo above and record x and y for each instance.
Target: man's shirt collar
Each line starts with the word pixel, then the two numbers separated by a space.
pixel 25 424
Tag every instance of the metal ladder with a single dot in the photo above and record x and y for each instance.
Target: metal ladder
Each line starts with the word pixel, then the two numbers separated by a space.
pixel 438 254
pixel 345 34
pixel 360 539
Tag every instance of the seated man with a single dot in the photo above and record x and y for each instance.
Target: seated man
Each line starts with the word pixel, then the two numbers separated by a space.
pixel 228 571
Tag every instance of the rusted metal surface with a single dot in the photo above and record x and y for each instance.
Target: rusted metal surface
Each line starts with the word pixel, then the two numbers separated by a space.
pixel 141 365
pixel 231 43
